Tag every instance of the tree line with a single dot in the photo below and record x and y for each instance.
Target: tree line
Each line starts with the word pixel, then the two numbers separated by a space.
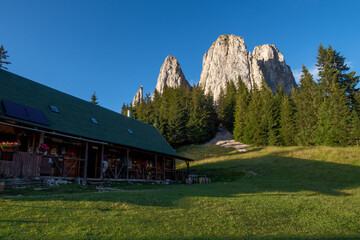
pixel 182 116
pixel 318 112
pixel 325 111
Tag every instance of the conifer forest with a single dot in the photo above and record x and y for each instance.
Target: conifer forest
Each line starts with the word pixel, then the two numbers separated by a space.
pixel 322 110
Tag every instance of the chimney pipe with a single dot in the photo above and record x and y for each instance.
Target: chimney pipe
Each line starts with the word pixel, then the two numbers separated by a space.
pixel 128 113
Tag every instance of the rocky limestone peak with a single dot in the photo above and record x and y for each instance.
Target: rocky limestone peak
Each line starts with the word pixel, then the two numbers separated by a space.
pixel 138 98
pixel 228 58
pixel 171 75
pixel 268 63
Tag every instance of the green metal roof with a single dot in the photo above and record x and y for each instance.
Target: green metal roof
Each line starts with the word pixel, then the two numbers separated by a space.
pixel 75 116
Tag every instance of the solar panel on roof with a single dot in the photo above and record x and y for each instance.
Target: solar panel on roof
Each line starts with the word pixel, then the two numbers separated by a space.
pixel 15 110
pixel 36 116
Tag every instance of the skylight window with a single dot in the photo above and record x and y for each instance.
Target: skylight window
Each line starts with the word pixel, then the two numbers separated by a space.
pixel 54 109
pixel 131 132
pixel 94 121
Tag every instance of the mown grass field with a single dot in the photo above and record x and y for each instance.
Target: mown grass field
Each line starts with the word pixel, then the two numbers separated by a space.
pixel 267 193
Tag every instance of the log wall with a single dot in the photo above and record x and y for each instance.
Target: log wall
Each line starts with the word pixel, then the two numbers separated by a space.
pixel 23 165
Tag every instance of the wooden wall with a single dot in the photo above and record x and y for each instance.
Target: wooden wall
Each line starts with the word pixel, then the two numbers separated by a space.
pixel 23 165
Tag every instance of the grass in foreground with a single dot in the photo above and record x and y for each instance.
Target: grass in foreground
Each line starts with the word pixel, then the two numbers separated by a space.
pixel 269 193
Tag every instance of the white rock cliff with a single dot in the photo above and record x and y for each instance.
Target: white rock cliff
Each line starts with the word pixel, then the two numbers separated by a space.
pixel 171 75
pixel 228 58
pixel 138 98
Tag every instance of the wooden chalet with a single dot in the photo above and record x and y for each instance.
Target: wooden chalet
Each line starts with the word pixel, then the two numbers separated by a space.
pixel 85 140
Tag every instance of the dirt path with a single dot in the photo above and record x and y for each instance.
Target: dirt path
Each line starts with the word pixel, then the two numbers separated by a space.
pixel 225 139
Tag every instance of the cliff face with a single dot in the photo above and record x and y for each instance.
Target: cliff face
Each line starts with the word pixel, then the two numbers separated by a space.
pixel 139 96
pixel 171 75
pixel 228 58
pixel 268 63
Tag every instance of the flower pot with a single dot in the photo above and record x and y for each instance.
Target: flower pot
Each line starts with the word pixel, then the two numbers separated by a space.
pixel 8 150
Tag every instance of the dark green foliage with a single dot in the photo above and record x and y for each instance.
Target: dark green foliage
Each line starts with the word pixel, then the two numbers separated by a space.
pixel 252 129
pixel 355 128
pixel 333 119
pixel 241 109
pixel 202 118
pixel 270 116
pixel 307 100
pixel 286 126
pixel 94 99
pixel 3 57
pixel 177 116
pixel 333 69
pixel 225 106
pixel 182 116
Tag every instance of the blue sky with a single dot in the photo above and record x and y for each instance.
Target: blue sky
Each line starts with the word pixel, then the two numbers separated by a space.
pixel 112 47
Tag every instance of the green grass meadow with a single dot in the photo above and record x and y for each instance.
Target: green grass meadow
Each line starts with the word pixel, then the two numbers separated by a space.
pixel 266 193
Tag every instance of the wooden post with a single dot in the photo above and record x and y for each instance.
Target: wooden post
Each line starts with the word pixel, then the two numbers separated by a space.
pixel 127 163
pixel 156 175
pixel 188 167
pixel 86 159
pixel 101 162
pixel 163 168
pixel 42 137
pixel 33 144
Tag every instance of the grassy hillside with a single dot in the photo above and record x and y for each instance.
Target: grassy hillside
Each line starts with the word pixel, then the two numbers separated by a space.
pixel 269 193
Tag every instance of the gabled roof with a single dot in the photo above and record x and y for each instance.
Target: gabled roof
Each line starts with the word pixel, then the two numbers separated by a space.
pixel 75 116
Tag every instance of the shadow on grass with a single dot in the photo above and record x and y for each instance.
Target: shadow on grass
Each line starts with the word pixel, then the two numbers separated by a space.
pixel 266 174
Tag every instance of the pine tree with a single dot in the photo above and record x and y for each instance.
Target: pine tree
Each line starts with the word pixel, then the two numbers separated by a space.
pixel 220 106
pixel 333 69
pixel 3 57
pixel 268 123
pixel 307 101
pixel 287 127
pixel 252 128
pixel 199 118
pixel 355 128
pixel 177 117
pixel 241 108
pixel 229 106
pixel 333 119
pixel 94 99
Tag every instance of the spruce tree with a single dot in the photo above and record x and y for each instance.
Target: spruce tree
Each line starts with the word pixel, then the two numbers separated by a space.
pixel 252 128
pixel 287 127
pixel 229 106
pixel 198 129
pixel 355 128
pixel 268 130
pixel 3 57
pixel 94 99
pixel 241 109
pixel 307 100
pixel 333 119
pixel 177 117
pixel 333 69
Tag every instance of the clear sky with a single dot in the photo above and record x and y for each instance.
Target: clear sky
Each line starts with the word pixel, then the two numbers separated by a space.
pixel 112 46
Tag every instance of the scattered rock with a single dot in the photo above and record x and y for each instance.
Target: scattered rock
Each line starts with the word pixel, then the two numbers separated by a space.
pixel 53 182
pixel 224 138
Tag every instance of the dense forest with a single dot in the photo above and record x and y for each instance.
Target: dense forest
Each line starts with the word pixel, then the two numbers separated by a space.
pixel 322 111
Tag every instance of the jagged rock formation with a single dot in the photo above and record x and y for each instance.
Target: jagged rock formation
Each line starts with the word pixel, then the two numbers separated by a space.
pixel 138 98
pixel 171 75
pixel 228 58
